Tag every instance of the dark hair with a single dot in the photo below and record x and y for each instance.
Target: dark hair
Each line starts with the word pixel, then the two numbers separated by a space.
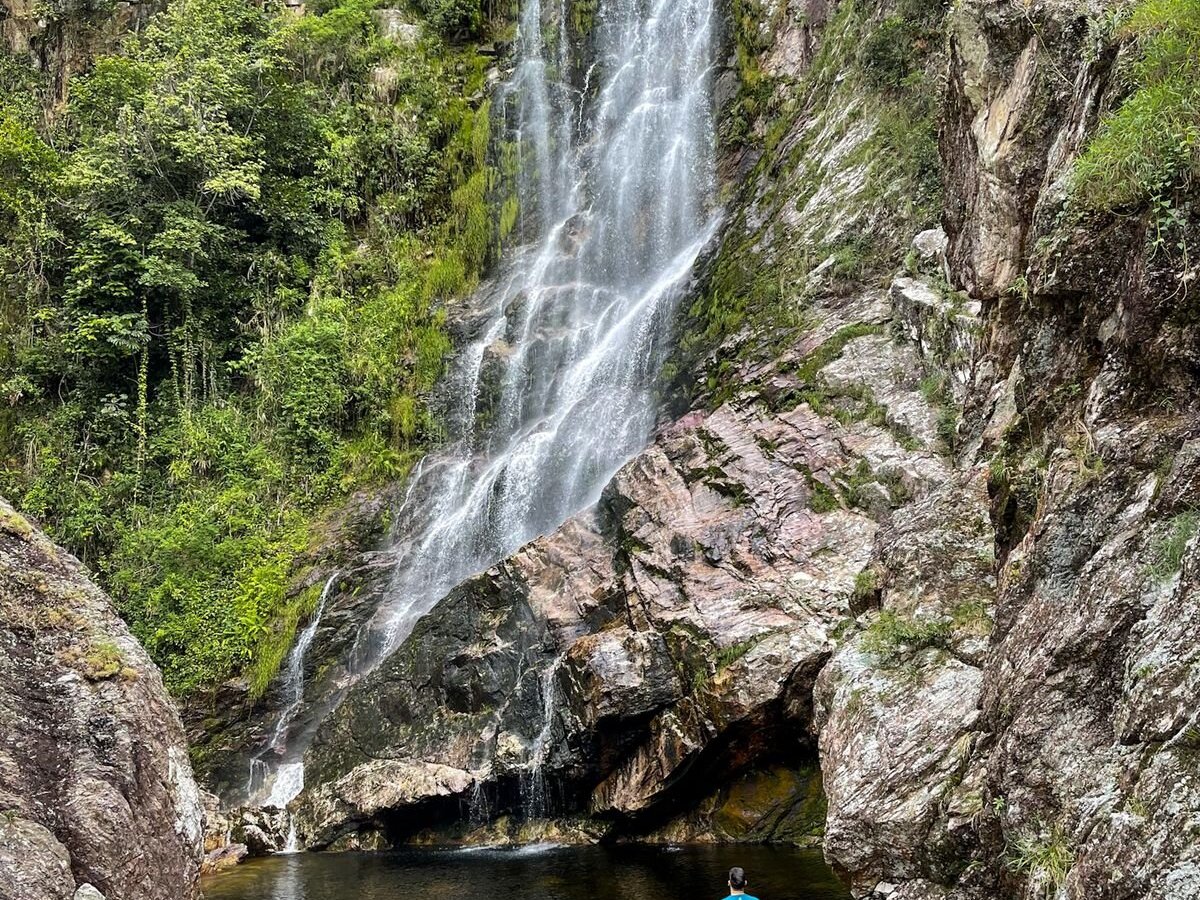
pixel 737 878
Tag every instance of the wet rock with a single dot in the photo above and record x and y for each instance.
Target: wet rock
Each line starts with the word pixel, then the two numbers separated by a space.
pixel 229 725
pixel 953 560
pixel 653 648
pixel 262 831
pixel 776 805
pixel 619 674
pixel 224 857
pixel 338 807
pixel 94 774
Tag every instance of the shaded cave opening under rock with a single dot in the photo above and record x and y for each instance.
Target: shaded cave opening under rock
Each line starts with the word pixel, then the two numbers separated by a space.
pixel 765 789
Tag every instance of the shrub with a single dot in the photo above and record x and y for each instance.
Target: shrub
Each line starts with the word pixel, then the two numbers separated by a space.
pixel 1150 146
pixel 453 17
pixel 892 636
pixel 888 54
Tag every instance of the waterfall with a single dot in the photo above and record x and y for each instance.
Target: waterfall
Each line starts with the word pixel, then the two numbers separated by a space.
pixel 535 795
pixel 616 187
pixel 616 183
pixel 288 778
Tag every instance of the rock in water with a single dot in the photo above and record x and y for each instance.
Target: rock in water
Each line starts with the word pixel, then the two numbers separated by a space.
pixel 95 783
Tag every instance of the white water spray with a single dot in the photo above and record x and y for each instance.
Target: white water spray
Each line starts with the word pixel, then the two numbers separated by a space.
pixel 535 797
pixel 620 186
pixel 616 186
pixel 288 778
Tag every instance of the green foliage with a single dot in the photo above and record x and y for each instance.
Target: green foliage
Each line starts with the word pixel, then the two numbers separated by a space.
pixel 855 483
pixel 1187 745
pixel 1043 856
pixel 223 274
pixel 755 86
pixel 1168 548
pixel 889 54
pixel 737 291
pixel 892 637
pixel 866 584
pixel 762 289
pixel 1150 146
pixel 831 349
pixel 455 18
pixel 103 660
pixel 583 15
pixel 727 656
pixel 823 499
pixel 274 647
pixel 897 57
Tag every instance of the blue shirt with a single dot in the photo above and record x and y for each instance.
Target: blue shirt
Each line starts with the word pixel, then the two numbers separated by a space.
pixel 740 897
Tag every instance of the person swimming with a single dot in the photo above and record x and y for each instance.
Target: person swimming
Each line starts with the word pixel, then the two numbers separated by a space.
pixel 737 884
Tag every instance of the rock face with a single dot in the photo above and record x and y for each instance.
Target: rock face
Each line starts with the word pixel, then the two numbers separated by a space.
pixel 61 39
pixel 229 726
pixel 95 781
pixel 929 529
pixel 670 639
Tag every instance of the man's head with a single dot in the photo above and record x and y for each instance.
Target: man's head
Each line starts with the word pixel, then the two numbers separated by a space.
pixel 737 878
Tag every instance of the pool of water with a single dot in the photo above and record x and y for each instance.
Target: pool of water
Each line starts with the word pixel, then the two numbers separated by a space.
pixel 531 873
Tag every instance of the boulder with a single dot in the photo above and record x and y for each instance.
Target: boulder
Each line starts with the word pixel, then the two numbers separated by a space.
pixel 94 771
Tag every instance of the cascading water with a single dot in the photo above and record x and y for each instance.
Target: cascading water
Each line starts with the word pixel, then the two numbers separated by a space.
pixel 616 185
pixel 619 177
pixel 535 796
pixel 287 780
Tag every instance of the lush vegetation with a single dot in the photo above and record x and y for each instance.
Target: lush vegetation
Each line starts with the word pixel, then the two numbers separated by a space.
pixel 1149 148
pixel 223 280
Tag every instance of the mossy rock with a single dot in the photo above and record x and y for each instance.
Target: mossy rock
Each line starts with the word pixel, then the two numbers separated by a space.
pixel 778 805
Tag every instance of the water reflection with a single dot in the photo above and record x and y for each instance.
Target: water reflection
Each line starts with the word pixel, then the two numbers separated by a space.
pixel 543 873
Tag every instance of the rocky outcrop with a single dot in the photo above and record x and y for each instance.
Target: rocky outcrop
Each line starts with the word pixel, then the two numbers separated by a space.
pixel 229 727
pixel 95 784
pixel 670 640
pixel 930 523
pixel 61 38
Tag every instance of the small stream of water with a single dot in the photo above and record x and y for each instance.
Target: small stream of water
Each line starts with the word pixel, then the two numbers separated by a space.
pixel 279 787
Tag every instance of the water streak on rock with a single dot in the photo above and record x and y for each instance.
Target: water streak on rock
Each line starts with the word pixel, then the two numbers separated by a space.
pixel 281 786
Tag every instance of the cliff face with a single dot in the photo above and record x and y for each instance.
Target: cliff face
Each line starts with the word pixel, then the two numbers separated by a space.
pixel 95 781
pixel 62 37
pixel 932 527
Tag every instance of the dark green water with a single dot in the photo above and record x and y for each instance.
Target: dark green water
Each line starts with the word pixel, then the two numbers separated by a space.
pixel 565 873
